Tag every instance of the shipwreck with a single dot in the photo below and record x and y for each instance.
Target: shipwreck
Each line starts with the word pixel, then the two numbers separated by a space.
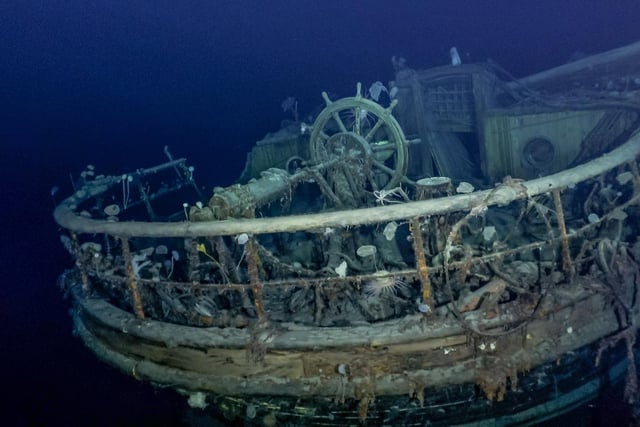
pixel 460 248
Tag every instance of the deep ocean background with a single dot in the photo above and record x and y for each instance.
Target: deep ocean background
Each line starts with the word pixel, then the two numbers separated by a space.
pixel 112 82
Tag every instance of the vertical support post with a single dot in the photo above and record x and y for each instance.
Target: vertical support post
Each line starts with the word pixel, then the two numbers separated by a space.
pixel 83 273
pixel 254 278
pixel 145 199
pixel 421 263
pixel 131 278
pixel 227 266
pixel 564 237
pixel 193 259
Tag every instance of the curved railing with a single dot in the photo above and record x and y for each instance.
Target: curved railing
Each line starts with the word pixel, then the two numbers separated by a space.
pixel 360 266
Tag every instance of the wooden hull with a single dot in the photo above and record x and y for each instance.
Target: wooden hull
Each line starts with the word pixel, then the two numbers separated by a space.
pixel 315 375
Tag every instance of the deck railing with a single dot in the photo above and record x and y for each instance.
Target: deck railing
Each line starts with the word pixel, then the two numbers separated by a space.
pixel 422 257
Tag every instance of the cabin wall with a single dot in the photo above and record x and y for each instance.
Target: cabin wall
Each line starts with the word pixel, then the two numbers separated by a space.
pixel 506 138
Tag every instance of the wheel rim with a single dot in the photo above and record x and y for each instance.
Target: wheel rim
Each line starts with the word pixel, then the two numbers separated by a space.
pixel 376 131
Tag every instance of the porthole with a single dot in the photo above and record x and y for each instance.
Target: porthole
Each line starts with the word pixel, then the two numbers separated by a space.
pixel 538 153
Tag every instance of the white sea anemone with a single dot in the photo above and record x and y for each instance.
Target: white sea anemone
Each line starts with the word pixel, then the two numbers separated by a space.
pixel 382 284
pixel 624 177
pixel 197 400
pixel 341 270
pixel 366 251
pixel 488 233
pixel 390 230
pixel 464 188
pixel 112 210
pixel 242 238
pixel 328 231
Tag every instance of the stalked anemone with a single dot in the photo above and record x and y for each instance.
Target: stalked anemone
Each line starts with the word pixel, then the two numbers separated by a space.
pixel 383 284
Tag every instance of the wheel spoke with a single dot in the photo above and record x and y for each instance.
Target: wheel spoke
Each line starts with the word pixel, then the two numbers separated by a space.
pixel 382 167
pixel 372 181
pixel 356 126
pixel 338 120
pixel 375 148
pixel 374 129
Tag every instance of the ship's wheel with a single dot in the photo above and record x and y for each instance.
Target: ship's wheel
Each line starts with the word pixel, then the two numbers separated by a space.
pixel 358 126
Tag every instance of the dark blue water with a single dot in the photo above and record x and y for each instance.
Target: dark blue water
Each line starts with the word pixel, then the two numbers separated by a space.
pixel 111 82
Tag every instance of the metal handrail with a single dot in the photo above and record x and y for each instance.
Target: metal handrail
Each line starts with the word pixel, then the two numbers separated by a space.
pixel 66 217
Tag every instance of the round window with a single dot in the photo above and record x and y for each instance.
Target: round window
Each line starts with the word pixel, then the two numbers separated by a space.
pixel 538 153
